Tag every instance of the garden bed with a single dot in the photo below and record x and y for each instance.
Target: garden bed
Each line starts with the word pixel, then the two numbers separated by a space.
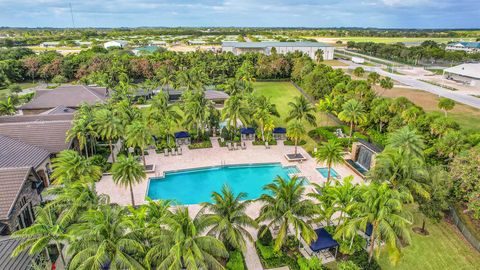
pixel 200 145
pixel 262 143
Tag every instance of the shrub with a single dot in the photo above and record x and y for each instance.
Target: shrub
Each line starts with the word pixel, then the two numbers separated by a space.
pixel 235 261
pixel 266 251
pixel 348 265
pixel 101 161
pixel 260 142
pixel 360 258
pixel 58 79
pixel 289 142
pixel 264 235
pixel 314 263
pixel 200 145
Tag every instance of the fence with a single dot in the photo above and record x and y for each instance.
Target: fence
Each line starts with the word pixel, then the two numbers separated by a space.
pixel 464 230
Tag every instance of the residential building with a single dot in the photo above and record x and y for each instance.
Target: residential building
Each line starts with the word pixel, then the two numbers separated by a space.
pixel 115 43
pixel 309 48
pixel 67 96
pixel 469 47
pixel 468 74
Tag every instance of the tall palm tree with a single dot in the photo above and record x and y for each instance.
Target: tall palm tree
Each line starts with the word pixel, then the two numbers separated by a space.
pixel 263 110
pixel 70 166
pixel 79 130
pixel 331 153
pixel 325 205
pixel 235 110
pixel 104 240
pixel 295 131
pixel 352 112
pixel 180 244
pixel 126 172
pixel 196 109
pixel 285 206
pixel 386 83
pixel 301 109
pixel 138 134
pixel 408 140
pixel 108 127
pixel 382 207
pixel 344 195
pixel 228 219
pixel 46 229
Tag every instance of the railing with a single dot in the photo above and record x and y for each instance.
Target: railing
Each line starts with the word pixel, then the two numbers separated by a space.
pixel 463 229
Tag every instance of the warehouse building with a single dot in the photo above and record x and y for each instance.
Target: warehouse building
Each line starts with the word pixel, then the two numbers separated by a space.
pixel 309 48
pixel 468 74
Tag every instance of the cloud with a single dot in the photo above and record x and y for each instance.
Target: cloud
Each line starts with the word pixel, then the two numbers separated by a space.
pixel 309 13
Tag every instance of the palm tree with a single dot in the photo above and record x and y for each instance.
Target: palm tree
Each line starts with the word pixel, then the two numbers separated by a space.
pixel 301 110
pixel 295 131
pixel 386 83
pixel 138 134
pixel 325 206
pixel 344 195
pixel 228 219
pixel 263 111
pixel 408 140
pixel 180 244
pixel 108 127
pixel 319 55
pixel 196 109
pixel 79 131
pixel 446 105
pixel 7 107
pixel 46 229
pixel 104 240
pixel 126 172
pixel 285 206
pixel 331 153
pixel 358 72
pixel 70 166
pixel 373 78
pixel 352 112
pixel 382 207
pixel 326 105
pixel 235 110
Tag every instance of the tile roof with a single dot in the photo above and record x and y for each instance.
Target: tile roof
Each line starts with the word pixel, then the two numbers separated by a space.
pixel 37 117
pixel 59 110
pixel 66 95
pixel 21 262
pixel 15 153
pixel 216 95
pixel 49 135
pixel 11 181
pixel 274 44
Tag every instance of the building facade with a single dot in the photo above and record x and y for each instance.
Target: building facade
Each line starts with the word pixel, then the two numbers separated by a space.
pixel 470 47
pixel 309 48
pixel 468 74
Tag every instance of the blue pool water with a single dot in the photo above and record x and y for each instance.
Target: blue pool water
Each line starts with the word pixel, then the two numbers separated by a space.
pixel 324 172
pixel 196 186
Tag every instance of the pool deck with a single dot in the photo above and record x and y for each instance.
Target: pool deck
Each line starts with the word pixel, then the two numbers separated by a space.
pixel 217 156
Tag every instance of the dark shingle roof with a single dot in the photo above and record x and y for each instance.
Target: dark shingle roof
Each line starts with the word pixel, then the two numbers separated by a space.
pixel 67 95
pixel 11 181
pixel 21 262
pixel 59 110
pixel 49 135
pixel 15 153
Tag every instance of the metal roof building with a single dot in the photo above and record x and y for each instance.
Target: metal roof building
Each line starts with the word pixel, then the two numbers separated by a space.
pixel 464 73
pixel 309 48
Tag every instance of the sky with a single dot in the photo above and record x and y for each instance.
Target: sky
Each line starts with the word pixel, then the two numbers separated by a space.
pixel 242 13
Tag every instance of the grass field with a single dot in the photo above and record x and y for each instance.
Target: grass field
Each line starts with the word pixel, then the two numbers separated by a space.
pixel 4 91
pixel 443 248
pixel 333 63
pixel 280 93
pixel 386 39
pixel 468 117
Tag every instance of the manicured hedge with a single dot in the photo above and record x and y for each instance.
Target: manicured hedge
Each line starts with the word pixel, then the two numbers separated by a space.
pixel 200 145
pixel 235 261
pixel 288 142
pixel 260 142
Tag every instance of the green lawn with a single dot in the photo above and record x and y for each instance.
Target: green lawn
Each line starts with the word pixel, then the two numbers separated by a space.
pixel 389 39
pixel 4 91
pixel 443 248
pixel 281 93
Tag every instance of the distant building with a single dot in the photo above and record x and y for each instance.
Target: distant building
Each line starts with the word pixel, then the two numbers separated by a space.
pixel 49 44
pixel 196 42
pixel 66 96
pixel 309 48
pixel 145 50
pixel 83 43
pixel 469 47
pixel 157 43
pixel 465 73
pixel 115 43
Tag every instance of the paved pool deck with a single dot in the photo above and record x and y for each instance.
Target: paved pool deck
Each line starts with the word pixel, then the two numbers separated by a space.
pixel 217 156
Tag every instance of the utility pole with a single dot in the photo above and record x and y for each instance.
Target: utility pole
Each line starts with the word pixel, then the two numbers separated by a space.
pixel 71 13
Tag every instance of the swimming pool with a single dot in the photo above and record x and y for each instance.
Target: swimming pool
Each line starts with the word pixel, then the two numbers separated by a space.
pixel 196 186
pixel 324 172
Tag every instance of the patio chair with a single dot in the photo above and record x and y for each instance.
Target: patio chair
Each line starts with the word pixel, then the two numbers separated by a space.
pixel 244 146
pixel 165 152
pixel 174 151
pixel 229 146
pixel 267 146
pixel 179 151
pixel 235 146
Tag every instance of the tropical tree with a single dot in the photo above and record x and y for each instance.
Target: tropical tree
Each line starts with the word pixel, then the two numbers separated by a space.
pixel 263 111
pixel 407 140
pixel 301 109
pixel 46 229
pixel 180 244
pixel 126 172
pixel 330 153
pixel 79 130
pixel 352 112
pixel 228 219
pixel 373 78
pixel 104 239
pixel 285 206
pixel 295 131
pixel 325 206
pixel 446 105
pixel 319 55
pixel 358 72
pixel 386 83
pixel 70 166
pixel 382 207
pixel 235 110
pixel 326 105
pixel 344 195
pixel 138 134
pixel 196 109
pixel 108 127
